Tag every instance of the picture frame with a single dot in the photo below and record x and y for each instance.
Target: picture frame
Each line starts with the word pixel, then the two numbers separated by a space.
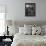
pixel 30 9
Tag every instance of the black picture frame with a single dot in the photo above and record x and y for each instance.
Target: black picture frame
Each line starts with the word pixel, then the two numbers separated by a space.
pixel 30 9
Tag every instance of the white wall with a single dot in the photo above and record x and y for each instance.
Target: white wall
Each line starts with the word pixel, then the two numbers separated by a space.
pixel 16 10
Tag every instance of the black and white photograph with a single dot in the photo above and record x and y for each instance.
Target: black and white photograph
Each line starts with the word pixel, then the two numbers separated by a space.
pixel 30 9
pixel 22 22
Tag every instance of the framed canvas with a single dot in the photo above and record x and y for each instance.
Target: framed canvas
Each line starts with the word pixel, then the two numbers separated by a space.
pixel 30 9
